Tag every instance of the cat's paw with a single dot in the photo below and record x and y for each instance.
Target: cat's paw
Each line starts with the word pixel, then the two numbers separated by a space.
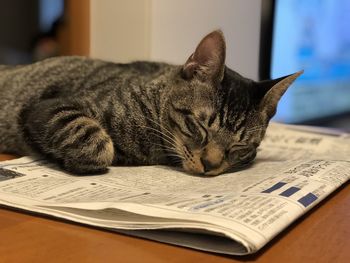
pixel 92 155
pixel 90 161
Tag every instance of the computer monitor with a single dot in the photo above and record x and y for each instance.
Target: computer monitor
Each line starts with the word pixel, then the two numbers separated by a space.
pixel 315 36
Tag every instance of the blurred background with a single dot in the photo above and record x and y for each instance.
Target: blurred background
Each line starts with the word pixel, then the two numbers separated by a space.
pixel 265 39
pixel 33 30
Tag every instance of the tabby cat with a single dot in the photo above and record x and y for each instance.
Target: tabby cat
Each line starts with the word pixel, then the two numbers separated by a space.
pixel 87 114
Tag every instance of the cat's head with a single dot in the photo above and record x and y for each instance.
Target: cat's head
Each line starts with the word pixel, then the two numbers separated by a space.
pixel 216 117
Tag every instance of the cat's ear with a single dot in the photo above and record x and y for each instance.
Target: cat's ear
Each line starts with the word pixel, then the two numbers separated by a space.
pixel 271 91
pixel 208 61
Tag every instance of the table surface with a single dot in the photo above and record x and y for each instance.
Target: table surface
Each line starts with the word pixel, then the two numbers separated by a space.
pixel 322 235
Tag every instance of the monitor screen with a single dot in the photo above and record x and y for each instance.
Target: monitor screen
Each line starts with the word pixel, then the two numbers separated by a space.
pixel 313 35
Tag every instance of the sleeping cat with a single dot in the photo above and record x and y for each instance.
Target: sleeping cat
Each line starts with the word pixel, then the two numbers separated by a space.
pixel 88 114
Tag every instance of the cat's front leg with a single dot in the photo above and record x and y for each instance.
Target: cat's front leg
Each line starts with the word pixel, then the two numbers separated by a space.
pixel 68 133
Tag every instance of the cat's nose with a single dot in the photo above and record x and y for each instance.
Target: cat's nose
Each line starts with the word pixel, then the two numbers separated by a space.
pixel 210 164
pixel 207 165
pixel 212 157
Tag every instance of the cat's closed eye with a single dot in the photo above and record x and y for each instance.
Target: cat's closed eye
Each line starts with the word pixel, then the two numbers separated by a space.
pixel 212 119
pixel 191 126
pixel 241 154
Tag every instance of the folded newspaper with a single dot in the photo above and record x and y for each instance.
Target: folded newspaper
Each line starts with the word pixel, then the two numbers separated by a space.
pixel 235 213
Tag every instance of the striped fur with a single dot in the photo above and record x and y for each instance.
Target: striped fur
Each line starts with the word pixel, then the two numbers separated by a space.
pixel 88 114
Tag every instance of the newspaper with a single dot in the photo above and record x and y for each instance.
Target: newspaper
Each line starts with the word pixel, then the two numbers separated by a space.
pixel 235 213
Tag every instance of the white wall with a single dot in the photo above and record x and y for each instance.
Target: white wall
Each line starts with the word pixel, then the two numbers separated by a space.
pixel 120 29
pixel 169 30
pixel 178 26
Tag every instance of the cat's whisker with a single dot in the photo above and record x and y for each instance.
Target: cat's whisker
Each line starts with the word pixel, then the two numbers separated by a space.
pixel 171 147
pixel 255 128
pixel 157 123
pixel 174 151
pixel 164 147
pixel 160 132
pixel 176 155
pixel 168 137
pixel 161 126
pixel 171 143
pixel 176 161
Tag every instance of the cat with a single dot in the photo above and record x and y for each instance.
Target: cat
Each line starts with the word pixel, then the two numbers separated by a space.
pixel 86 114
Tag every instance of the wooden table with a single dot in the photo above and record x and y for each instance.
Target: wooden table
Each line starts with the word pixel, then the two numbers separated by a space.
pixel 323 235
